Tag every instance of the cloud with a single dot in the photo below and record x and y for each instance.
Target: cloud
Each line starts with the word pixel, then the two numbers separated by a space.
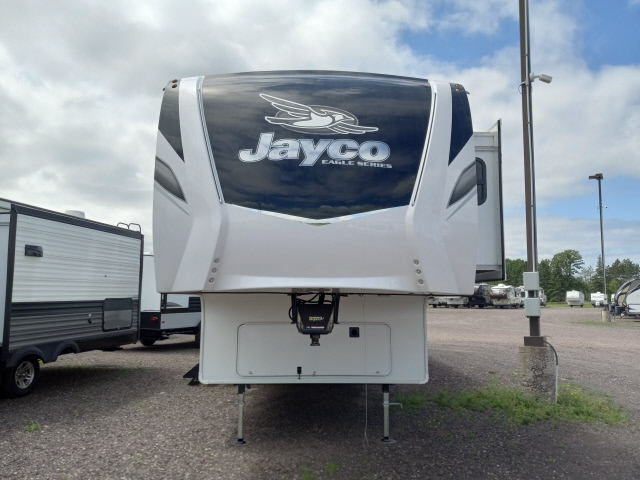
pixel 583 235
pixel 83 84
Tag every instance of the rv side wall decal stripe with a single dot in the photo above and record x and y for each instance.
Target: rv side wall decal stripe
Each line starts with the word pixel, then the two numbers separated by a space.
pixel 47 322
pixel 169 123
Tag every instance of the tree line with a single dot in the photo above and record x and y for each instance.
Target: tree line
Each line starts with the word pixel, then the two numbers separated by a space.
pixel 566 271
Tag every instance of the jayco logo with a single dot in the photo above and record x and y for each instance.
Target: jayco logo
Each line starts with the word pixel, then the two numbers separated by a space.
pixel 318 120
pixel 313 118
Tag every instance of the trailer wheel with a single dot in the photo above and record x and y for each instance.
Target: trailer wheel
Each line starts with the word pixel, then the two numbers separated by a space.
pixel 147 342
pixel 21 379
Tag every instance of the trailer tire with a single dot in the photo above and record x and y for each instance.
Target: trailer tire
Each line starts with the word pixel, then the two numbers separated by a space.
pixel 147 342
pixel 21 379
pixel 197 339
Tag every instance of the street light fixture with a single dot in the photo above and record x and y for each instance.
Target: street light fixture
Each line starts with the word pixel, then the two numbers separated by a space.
pixel 599 177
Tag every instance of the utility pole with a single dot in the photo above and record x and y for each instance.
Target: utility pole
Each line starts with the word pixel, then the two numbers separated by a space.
pixel 527 78
pixel 538 363
pixel 599 177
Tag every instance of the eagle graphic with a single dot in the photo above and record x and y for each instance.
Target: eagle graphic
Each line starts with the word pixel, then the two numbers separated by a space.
pixel 314 118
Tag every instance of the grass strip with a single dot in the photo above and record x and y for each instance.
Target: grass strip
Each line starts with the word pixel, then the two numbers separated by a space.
pixel 575 404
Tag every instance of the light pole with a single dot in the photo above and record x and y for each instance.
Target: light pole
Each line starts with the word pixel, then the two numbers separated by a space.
pixel 535 336
pixel 599 177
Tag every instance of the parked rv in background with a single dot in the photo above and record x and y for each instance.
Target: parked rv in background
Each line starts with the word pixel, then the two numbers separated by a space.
pixel 164 314
pixel 598 299
pixel 481 296
pixel 456 301
pixel 543 297
pixel 575 298
pixel 504 296
pixel 627 299
pixel 520 295
pixel 67 285
pixel 436 301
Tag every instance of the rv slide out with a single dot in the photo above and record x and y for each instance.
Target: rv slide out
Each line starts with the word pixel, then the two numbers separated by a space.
pixel 67 285
pixel 314 213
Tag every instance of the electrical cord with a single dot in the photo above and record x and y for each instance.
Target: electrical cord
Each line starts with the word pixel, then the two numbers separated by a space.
pixel 365 440
pixel 557 364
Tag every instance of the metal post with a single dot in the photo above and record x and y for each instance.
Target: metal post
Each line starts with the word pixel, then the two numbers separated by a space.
pixel 599 177
pixel 529 170
pixel 385 407
pixel 604 268
pixel 240 440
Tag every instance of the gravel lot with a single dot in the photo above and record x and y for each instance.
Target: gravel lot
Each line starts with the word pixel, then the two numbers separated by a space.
pixel 129 414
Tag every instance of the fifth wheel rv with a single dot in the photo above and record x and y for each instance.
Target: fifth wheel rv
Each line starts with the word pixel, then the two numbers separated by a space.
pixel 67 285
pixel 627 299
pixel 504 296
pixel 314 212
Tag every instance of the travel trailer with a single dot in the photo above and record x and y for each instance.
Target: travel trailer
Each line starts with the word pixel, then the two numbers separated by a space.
pixel 598 299
pixel 575 298
pixel 481 296
pixel 521 294
pixel 67 285
pixel 436 301
pixel 543 297
pixel 504 296
pixel 161 314
pixel 314 213
pixel 627 298
pixel 456 301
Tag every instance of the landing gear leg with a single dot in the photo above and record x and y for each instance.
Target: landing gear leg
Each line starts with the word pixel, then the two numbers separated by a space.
pixel 385 406
pixel 240 440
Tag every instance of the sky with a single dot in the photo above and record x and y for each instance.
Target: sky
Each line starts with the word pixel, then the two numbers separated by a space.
pixel 82 85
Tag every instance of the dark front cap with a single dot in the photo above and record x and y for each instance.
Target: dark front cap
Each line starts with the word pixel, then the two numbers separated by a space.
pixel 316 145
